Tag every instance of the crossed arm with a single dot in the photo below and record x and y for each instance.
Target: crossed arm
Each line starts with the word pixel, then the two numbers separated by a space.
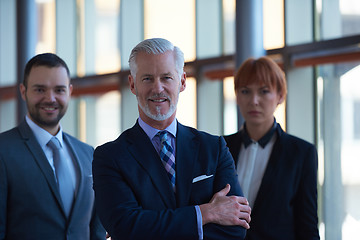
pixel 226 210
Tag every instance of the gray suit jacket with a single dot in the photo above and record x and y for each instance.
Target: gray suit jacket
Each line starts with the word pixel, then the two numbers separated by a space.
pixel 30 205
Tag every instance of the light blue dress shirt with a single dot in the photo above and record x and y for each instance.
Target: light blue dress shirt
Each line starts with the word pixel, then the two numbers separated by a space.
pixel 43 137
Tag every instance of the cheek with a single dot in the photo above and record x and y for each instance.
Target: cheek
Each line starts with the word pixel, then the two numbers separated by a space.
pixel 271 104
pixel 240 101
pixel 32 98
pixel 63 100
pixel 140 94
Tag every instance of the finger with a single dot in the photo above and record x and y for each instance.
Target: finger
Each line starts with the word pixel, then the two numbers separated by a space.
pixel 244 224
pixel 245 216
pixel 242 200
pixel 245 209
pixel 224 191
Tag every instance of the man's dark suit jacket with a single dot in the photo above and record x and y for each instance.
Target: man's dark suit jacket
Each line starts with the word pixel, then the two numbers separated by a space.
pixel 134 196
pixel 286 204
pixel 30 204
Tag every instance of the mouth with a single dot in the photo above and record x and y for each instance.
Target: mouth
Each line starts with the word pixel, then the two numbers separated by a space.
pixel 253 112
pixel 158 100
pixel 49 109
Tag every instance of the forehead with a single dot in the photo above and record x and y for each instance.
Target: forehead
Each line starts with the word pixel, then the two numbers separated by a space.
pixel 156 63
pixel 44 75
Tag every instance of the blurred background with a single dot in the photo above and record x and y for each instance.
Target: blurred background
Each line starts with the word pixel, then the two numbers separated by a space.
pixel 316 42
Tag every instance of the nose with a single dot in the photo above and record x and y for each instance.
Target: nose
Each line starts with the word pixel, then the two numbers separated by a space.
pixel 50 96
pixel 158 86
pixel 255 99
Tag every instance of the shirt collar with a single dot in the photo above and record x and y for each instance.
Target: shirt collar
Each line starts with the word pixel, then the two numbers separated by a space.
pixel 262 141
pixel 43 136
pixel 151 132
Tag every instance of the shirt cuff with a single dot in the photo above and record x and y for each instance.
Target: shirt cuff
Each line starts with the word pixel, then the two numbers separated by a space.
pixel 199 222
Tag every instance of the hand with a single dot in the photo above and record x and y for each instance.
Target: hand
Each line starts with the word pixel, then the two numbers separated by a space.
pixel 226 210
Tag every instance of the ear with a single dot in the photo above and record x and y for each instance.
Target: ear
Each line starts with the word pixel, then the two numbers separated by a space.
pixel 183 82
pixel 70 89
pixel 22 89
pixel 132 84
pixel 281 99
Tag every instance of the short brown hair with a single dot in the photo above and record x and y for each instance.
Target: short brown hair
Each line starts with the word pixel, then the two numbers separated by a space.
pixel 262 70
pixel 45 59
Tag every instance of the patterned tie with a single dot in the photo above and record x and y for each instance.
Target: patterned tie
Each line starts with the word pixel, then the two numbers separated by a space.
pixel 66 187
pixel 167 156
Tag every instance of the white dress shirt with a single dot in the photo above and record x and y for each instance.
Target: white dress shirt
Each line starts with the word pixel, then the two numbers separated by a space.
pixel 252 161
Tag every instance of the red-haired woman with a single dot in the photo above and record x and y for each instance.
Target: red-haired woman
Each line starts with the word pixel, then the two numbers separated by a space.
pixel 277 171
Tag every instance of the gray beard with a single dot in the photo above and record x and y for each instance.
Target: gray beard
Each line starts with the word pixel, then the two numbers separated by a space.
pixel 158 116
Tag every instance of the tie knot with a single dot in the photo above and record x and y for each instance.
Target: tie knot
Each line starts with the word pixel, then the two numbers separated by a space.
pixel 54 143
pixel 163 135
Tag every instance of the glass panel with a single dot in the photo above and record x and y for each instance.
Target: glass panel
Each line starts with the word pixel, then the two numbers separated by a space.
pixel 7 114
pixel 186 110
pixel 107 114
pixel 338 145
pixel 106 36
pixel 46 26
pixel 300 20
pixel 350 17
pixel 229 26
pixel 230 107
pixel 273 18
pixel 7 43
pixel 208 28
pixel 160 21
pixel 339 18
pixel 280 115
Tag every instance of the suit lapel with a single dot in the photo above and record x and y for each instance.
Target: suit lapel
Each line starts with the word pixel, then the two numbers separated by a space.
pixel 141 148
pixel 40 158
pixel 234 145
pixel 186 155
pixel 80 176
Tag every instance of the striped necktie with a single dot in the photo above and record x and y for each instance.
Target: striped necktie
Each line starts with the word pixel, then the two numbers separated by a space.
pixel 167 156
pixel 65 184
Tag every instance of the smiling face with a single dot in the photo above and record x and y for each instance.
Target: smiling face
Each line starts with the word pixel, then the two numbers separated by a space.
pixel 47 96
pixel 257 103
pixel 157 87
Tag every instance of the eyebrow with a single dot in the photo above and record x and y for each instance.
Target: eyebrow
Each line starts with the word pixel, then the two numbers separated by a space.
pixel 165 74
pixel 161 74
pixel 146 75
pixel 44 86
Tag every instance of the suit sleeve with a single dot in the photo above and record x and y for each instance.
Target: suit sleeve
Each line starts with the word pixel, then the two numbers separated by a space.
pixel 97 231
pixel 85 152
pixel 225 174
pixel 122 213
pixel 3 197
pixel 305 206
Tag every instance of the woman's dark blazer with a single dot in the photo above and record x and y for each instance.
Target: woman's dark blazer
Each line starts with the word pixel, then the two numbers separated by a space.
pixel 286 204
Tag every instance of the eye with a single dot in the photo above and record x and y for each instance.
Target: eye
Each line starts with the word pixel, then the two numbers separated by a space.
pixel 264 91
pixel 144 79
pixel 167 77
pixel 244 91
pixel 39 90
pixel 60 90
